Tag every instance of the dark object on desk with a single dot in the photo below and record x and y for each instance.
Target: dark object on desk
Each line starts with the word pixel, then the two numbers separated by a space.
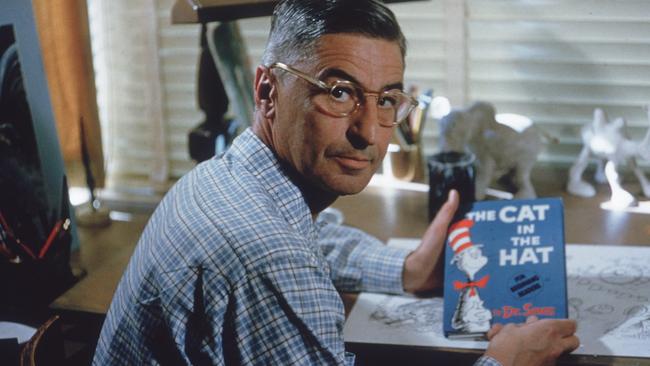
pixel 230 56
pixel 31 279
pixel 213 101
pixel 212 96
pixel 206 139
pixel 202 139
pixel 447 171
pixel 9 351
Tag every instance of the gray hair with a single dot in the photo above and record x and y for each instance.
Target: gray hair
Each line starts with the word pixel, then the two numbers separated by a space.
pixel 297 25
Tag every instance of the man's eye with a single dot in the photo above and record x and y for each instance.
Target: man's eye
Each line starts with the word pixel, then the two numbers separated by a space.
pixel 341 94
pixel 387 101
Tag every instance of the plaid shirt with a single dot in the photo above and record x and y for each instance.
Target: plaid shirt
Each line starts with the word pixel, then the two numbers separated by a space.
pixel 231 269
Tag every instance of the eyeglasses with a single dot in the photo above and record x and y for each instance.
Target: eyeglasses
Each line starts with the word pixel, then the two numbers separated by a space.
pixel 342 98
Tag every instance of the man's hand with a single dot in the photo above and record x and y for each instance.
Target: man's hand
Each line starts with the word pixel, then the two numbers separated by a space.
pixel 423 268
pixel 537 342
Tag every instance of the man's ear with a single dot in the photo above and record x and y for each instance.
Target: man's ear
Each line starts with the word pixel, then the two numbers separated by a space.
pixel 265 92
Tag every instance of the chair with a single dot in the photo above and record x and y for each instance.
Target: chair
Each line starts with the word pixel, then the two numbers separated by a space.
pixel 45 347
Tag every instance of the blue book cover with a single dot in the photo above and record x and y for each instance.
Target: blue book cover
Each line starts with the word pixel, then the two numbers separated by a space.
pixel 504 261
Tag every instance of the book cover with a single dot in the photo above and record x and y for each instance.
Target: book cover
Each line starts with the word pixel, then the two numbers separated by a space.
pixel 504 261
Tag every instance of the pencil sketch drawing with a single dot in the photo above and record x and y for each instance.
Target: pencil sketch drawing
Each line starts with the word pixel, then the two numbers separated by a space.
pixel 625 274
pixel 609 290
pixel 636 326
pixel 419 315
pixel 574 308
pixel 601 309
pixel 608 294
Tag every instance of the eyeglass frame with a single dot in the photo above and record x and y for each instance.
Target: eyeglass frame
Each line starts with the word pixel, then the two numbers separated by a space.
pixel 328 88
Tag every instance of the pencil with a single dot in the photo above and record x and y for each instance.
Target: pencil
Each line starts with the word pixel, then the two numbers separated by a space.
pixel 50 239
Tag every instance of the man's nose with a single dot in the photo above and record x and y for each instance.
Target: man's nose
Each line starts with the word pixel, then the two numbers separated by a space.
pixel 365 123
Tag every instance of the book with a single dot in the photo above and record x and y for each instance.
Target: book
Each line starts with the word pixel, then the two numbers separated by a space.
pixel 608 287
pixel 504 261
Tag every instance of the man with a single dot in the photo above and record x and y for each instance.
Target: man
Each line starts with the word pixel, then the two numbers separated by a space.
pixel 232 268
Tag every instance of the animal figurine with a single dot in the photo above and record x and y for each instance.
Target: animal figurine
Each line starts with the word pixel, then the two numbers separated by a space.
pixel 606 141
pixel 501 151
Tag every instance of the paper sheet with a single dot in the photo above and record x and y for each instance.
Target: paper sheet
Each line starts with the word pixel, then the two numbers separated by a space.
pixel 608 290
pixel 16 330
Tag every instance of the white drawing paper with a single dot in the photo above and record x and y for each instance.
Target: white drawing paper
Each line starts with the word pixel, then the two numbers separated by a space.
pixel 16 330
pixel 608 290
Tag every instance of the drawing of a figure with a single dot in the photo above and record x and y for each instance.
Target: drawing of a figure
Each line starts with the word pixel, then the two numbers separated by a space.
pixel 636 326
pixel 419 315
pixel 622 274
pixel 574 308
pixel 470 315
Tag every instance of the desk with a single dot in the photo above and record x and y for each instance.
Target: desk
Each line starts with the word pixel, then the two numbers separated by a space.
pixel 104 254
pixel 383 212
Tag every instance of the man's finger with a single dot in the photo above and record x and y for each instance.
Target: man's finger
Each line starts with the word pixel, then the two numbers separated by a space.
pixel 496 328
pixel 566 327
pixel 531 319
pixel 569 344
pixel 562 327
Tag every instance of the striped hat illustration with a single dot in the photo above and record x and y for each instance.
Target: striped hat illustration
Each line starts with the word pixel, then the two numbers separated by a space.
pixel 459 238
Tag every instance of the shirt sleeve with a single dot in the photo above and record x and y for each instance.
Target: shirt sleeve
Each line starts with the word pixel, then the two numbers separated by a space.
pixel 288 313
pixel 359 261
pixel 487 361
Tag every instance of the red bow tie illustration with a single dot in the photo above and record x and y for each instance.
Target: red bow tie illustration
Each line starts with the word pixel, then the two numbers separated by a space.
pixel 458 285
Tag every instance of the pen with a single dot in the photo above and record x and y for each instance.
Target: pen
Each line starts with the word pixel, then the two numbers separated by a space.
pixel 6 232
pixel 61 224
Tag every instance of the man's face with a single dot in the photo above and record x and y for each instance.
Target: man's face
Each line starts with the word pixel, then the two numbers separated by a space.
pixel 472 259
pixel 336 154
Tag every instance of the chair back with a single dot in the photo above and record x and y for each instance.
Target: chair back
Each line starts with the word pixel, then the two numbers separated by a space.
pixel 45 347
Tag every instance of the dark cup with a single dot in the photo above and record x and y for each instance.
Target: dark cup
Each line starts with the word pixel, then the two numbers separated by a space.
pixel 447 171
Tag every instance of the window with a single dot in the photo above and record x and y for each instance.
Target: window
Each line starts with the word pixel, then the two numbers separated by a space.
pixel 552 60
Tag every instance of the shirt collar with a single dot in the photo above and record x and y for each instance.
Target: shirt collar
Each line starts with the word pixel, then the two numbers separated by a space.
pixel 262 163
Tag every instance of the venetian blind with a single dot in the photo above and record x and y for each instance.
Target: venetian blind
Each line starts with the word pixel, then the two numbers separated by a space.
pixel 552 60
pixel 555 61
pixel 146 71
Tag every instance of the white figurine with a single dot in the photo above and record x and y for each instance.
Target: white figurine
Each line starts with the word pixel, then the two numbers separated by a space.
pixel 501 151
pixel 606 141
pixel 470 316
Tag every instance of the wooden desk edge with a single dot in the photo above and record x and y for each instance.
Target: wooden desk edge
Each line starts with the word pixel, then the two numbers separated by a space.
pixel 422 351
pixel 63 306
